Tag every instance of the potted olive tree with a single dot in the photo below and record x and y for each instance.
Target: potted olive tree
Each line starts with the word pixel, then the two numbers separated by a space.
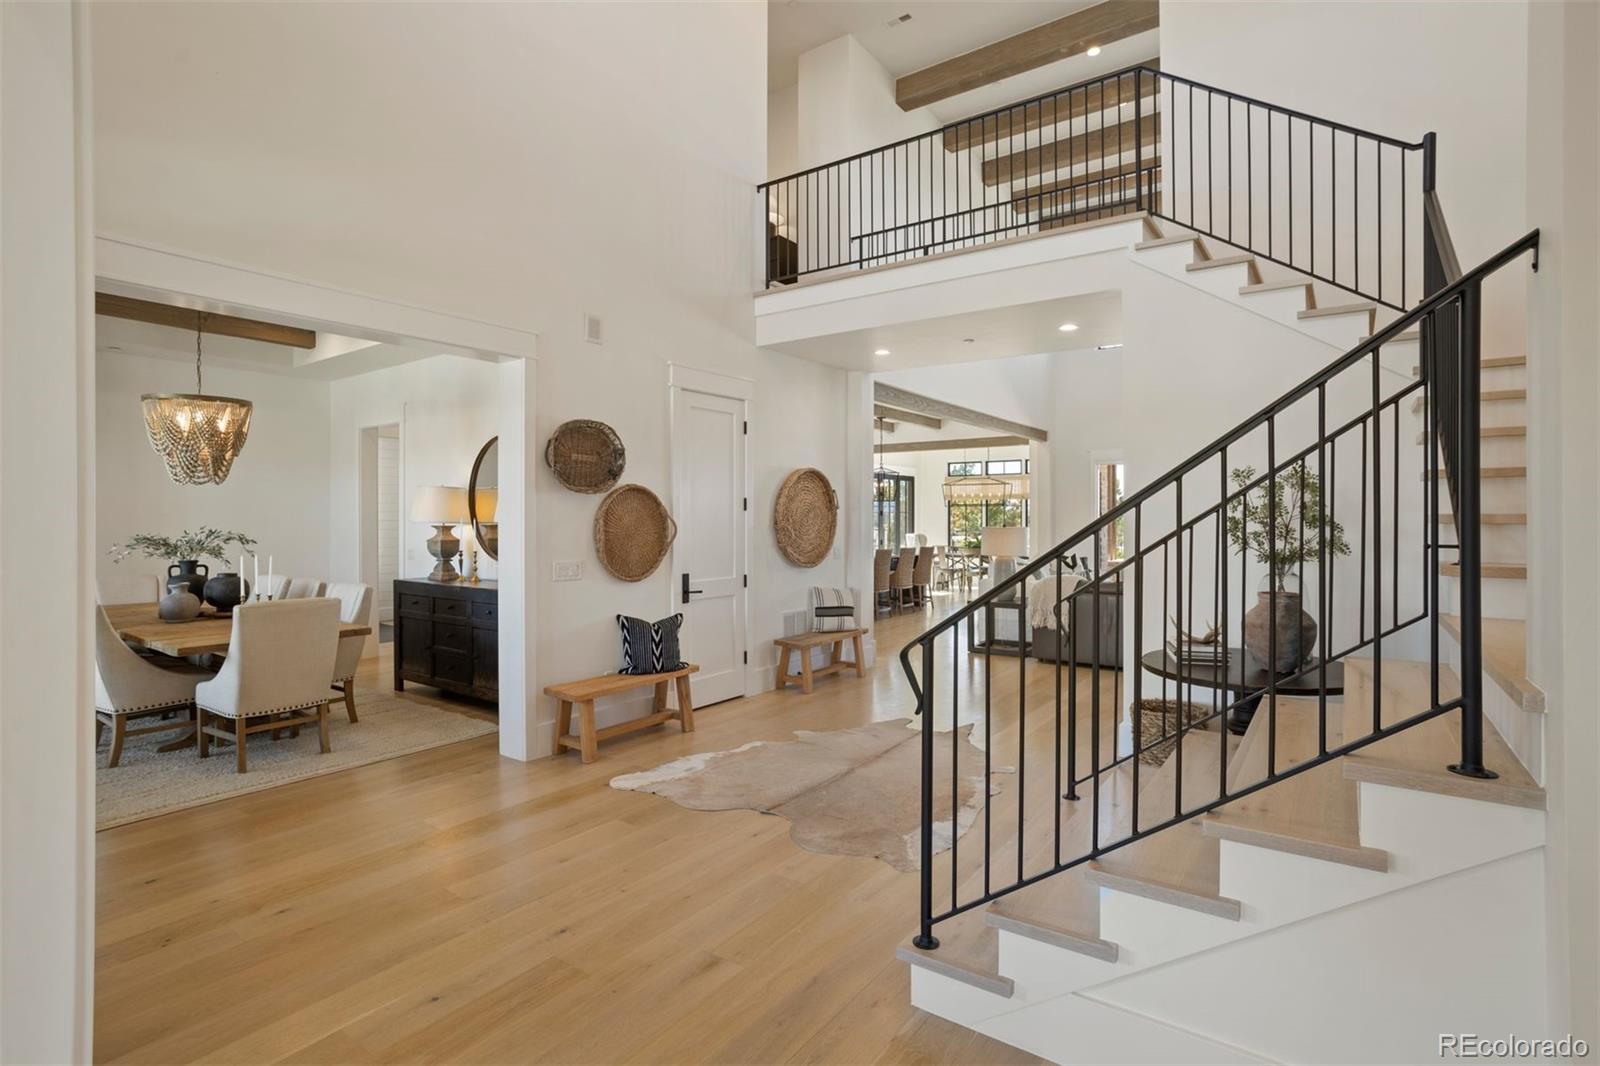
pixel 183 555
pixel 1281 522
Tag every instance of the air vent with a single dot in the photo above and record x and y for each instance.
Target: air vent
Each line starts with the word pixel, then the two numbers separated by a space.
pixel 591 329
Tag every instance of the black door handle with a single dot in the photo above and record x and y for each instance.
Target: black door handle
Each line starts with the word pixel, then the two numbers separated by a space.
pixel 687 591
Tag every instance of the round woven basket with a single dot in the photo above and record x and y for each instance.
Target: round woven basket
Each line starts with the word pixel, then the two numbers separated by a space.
pixel 805 517
pixel 587 456
pixel 632 532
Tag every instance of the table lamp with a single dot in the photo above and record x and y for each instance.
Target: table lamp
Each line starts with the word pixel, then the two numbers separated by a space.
pixel 442 507
pixel 1004 544
pixel 486 503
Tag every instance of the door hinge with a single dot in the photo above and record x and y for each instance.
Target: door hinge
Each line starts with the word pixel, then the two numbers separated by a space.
pixel 747 581
pixel 747 503
pixel 747 658
pixel 747 427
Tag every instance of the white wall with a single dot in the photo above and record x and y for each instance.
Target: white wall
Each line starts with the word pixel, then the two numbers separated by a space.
pixel 783 131
pixel 845 104
pixel 277 492
pixel 447 408
pixel 46 426
pixel 648 227
pixel 1396 68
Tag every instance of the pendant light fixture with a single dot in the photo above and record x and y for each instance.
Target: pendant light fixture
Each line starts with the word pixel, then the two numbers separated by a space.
pixel 196 435
pixel 881 475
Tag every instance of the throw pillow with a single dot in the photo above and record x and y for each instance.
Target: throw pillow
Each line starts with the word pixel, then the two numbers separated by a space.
pixel 649 648
pixel 832 610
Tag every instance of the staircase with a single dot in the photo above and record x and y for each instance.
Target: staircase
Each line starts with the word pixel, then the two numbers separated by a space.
pixel 1148 886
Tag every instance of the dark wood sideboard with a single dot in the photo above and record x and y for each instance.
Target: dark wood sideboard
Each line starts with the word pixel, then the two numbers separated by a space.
pixel 447 635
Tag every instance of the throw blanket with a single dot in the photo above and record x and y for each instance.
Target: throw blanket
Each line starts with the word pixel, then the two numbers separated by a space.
pixel 1041 601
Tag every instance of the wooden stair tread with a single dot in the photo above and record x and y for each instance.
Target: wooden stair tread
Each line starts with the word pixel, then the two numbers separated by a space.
pixel 1486 396
pixel 1077 149
pixel 1497 363
pixel 1063 910
pixel 1241 259
pixel 1486 431
pixel 1483 472
pixel 1503 518
pixel 1277 286
pixel 1363 308
pixel 1163 242
pixel 1312 813
pixel 1511 571
pixel 1179 865
pixel 968 951
pixel 1505 658
pixel 1417 757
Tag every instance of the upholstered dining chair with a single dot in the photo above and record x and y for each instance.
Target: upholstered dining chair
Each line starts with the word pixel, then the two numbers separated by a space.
pixel 881 589
pixel 280 657
pixel 355 605
pixel 922 575
pixel 129 687
pixel 302 588
pixel 902 577
pixel 129 588
pixel 273 586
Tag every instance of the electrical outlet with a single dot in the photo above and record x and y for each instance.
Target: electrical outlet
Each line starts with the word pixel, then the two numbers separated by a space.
pixel 566 571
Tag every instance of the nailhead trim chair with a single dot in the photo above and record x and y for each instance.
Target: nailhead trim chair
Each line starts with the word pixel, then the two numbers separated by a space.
pixel 129 686
pixel 280 656
pixel 355 605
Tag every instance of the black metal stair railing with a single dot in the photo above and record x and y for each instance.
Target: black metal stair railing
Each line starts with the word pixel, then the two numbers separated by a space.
pixel 1316 487
pixel 1338 203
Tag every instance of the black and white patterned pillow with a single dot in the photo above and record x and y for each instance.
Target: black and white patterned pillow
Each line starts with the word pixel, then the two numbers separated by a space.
pixel 647 648
pixel 832 610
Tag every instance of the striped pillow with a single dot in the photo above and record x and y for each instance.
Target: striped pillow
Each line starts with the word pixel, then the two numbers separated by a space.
pixel 832 610
pixel 649 648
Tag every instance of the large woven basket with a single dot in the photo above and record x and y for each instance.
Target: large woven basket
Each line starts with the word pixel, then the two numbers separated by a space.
pixel 632 532
pixel 805 517
pixel 1158 727
pixel 586 456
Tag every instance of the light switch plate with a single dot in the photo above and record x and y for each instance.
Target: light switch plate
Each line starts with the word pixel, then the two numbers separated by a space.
pixel 571 570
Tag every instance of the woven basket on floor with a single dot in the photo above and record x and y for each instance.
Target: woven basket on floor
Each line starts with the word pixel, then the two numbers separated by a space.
pixel 632 532
pixel 586 456
pixel 1158 719
pixel 805 517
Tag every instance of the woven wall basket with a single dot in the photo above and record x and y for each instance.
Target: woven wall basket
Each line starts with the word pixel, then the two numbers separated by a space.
pixel 805 517
pixel 632 532
pixel 587 456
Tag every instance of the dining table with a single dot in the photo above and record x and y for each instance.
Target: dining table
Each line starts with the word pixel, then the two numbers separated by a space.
pixel 140 624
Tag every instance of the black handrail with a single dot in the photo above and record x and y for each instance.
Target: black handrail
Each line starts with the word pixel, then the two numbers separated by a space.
pixel 1300 485
pixel 1329 199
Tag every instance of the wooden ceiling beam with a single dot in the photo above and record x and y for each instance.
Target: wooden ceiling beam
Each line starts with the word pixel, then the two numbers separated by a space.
pixel 884 424
pixel 895 415
pixel 894 396
pixel 951 445
pixel 1028 50
pixel 187 318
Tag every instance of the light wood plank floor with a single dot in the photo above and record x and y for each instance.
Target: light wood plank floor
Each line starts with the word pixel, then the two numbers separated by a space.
pixel 456 906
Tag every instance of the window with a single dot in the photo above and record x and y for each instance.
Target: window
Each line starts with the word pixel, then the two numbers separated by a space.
pixel 1006 466
pixel 894 508
pixel 1113 543
pixel 967 519
pixel 964 469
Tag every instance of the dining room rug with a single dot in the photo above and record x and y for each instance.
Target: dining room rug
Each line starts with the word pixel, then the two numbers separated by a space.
pixel 844 792
pixel 147 782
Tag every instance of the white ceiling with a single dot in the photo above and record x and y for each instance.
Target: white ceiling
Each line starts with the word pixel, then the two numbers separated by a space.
pixel 995 333
pixel 938 29
pixel 334 357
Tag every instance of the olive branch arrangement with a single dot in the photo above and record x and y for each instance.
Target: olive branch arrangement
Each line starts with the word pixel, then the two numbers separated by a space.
pixel 205 543
pixel 1280 526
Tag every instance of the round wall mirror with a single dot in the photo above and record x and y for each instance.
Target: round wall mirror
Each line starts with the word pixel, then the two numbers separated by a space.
pixel 483 498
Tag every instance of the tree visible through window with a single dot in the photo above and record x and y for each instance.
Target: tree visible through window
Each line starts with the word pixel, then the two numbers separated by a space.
pixel 1113 543
pixel 968 517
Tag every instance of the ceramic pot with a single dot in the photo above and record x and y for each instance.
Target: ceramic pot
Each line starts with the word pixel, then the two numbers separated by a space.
pixel 189 574
pixel 226 591
pixel 1296 635
pixel 179 605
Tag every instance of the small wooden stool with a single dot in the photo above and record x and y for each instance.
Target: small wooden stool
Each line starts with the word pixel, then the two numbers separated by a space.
pixel 584 693
pixel 803 644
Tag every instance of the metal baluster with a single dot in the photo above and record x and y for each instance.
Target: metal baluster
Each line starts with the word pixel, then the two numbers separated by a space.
pixel 1377 542
pixel 1272 595
pixel 925 938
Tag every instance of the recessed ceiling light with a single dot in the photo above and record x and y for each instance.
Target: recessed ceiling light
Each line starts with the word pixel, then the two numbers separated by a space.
pixel 1068 327
pixel 881 351
pixel 1094 50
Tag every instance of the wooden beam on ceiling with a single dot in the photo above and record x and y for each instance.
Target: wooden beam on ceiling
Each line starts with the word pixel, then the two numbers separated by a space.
pixel 187 318
pixel 951 445
pixel 1028 50
pixel 893 396
pixel 894 415
pixel 884 424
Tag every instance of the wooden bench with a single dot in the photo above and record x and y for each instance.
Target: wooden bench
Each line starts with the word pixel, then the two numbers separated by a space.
pixel 803 644
pixel 584 693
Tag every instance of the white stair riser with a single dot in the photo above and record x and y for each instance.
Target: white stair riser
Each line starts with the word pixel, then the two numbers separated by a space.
pixel 1499 451
pixel 1489 378
pixel 1523 731
pixel 1503 597
pixel 1502 544
pixel 1223 281
pixel 1342 331
pixel 1169 259
pixel 1491 413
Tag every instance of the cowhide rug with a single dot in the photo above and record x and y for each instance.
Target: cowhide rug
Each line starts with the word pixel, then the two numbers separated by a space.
pixel 846 792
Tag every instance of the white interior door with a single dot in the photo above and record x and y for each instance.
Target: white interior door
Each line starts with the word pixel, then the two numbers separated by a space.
pixel 708 502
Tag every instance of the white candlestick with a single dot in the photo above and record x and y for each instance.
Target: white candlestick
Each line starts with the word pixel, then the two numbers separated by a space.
pixel 256 560
pixel 269 575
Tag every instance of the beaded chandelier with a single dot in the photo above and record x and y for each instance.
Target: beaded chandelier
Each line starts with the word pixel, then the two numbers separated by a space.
pixel 196 435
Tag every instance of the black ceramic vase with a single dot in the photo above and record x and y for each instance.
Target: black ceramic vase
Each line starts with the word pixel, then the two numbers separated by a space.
pixel 226 591
pixel 188 574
